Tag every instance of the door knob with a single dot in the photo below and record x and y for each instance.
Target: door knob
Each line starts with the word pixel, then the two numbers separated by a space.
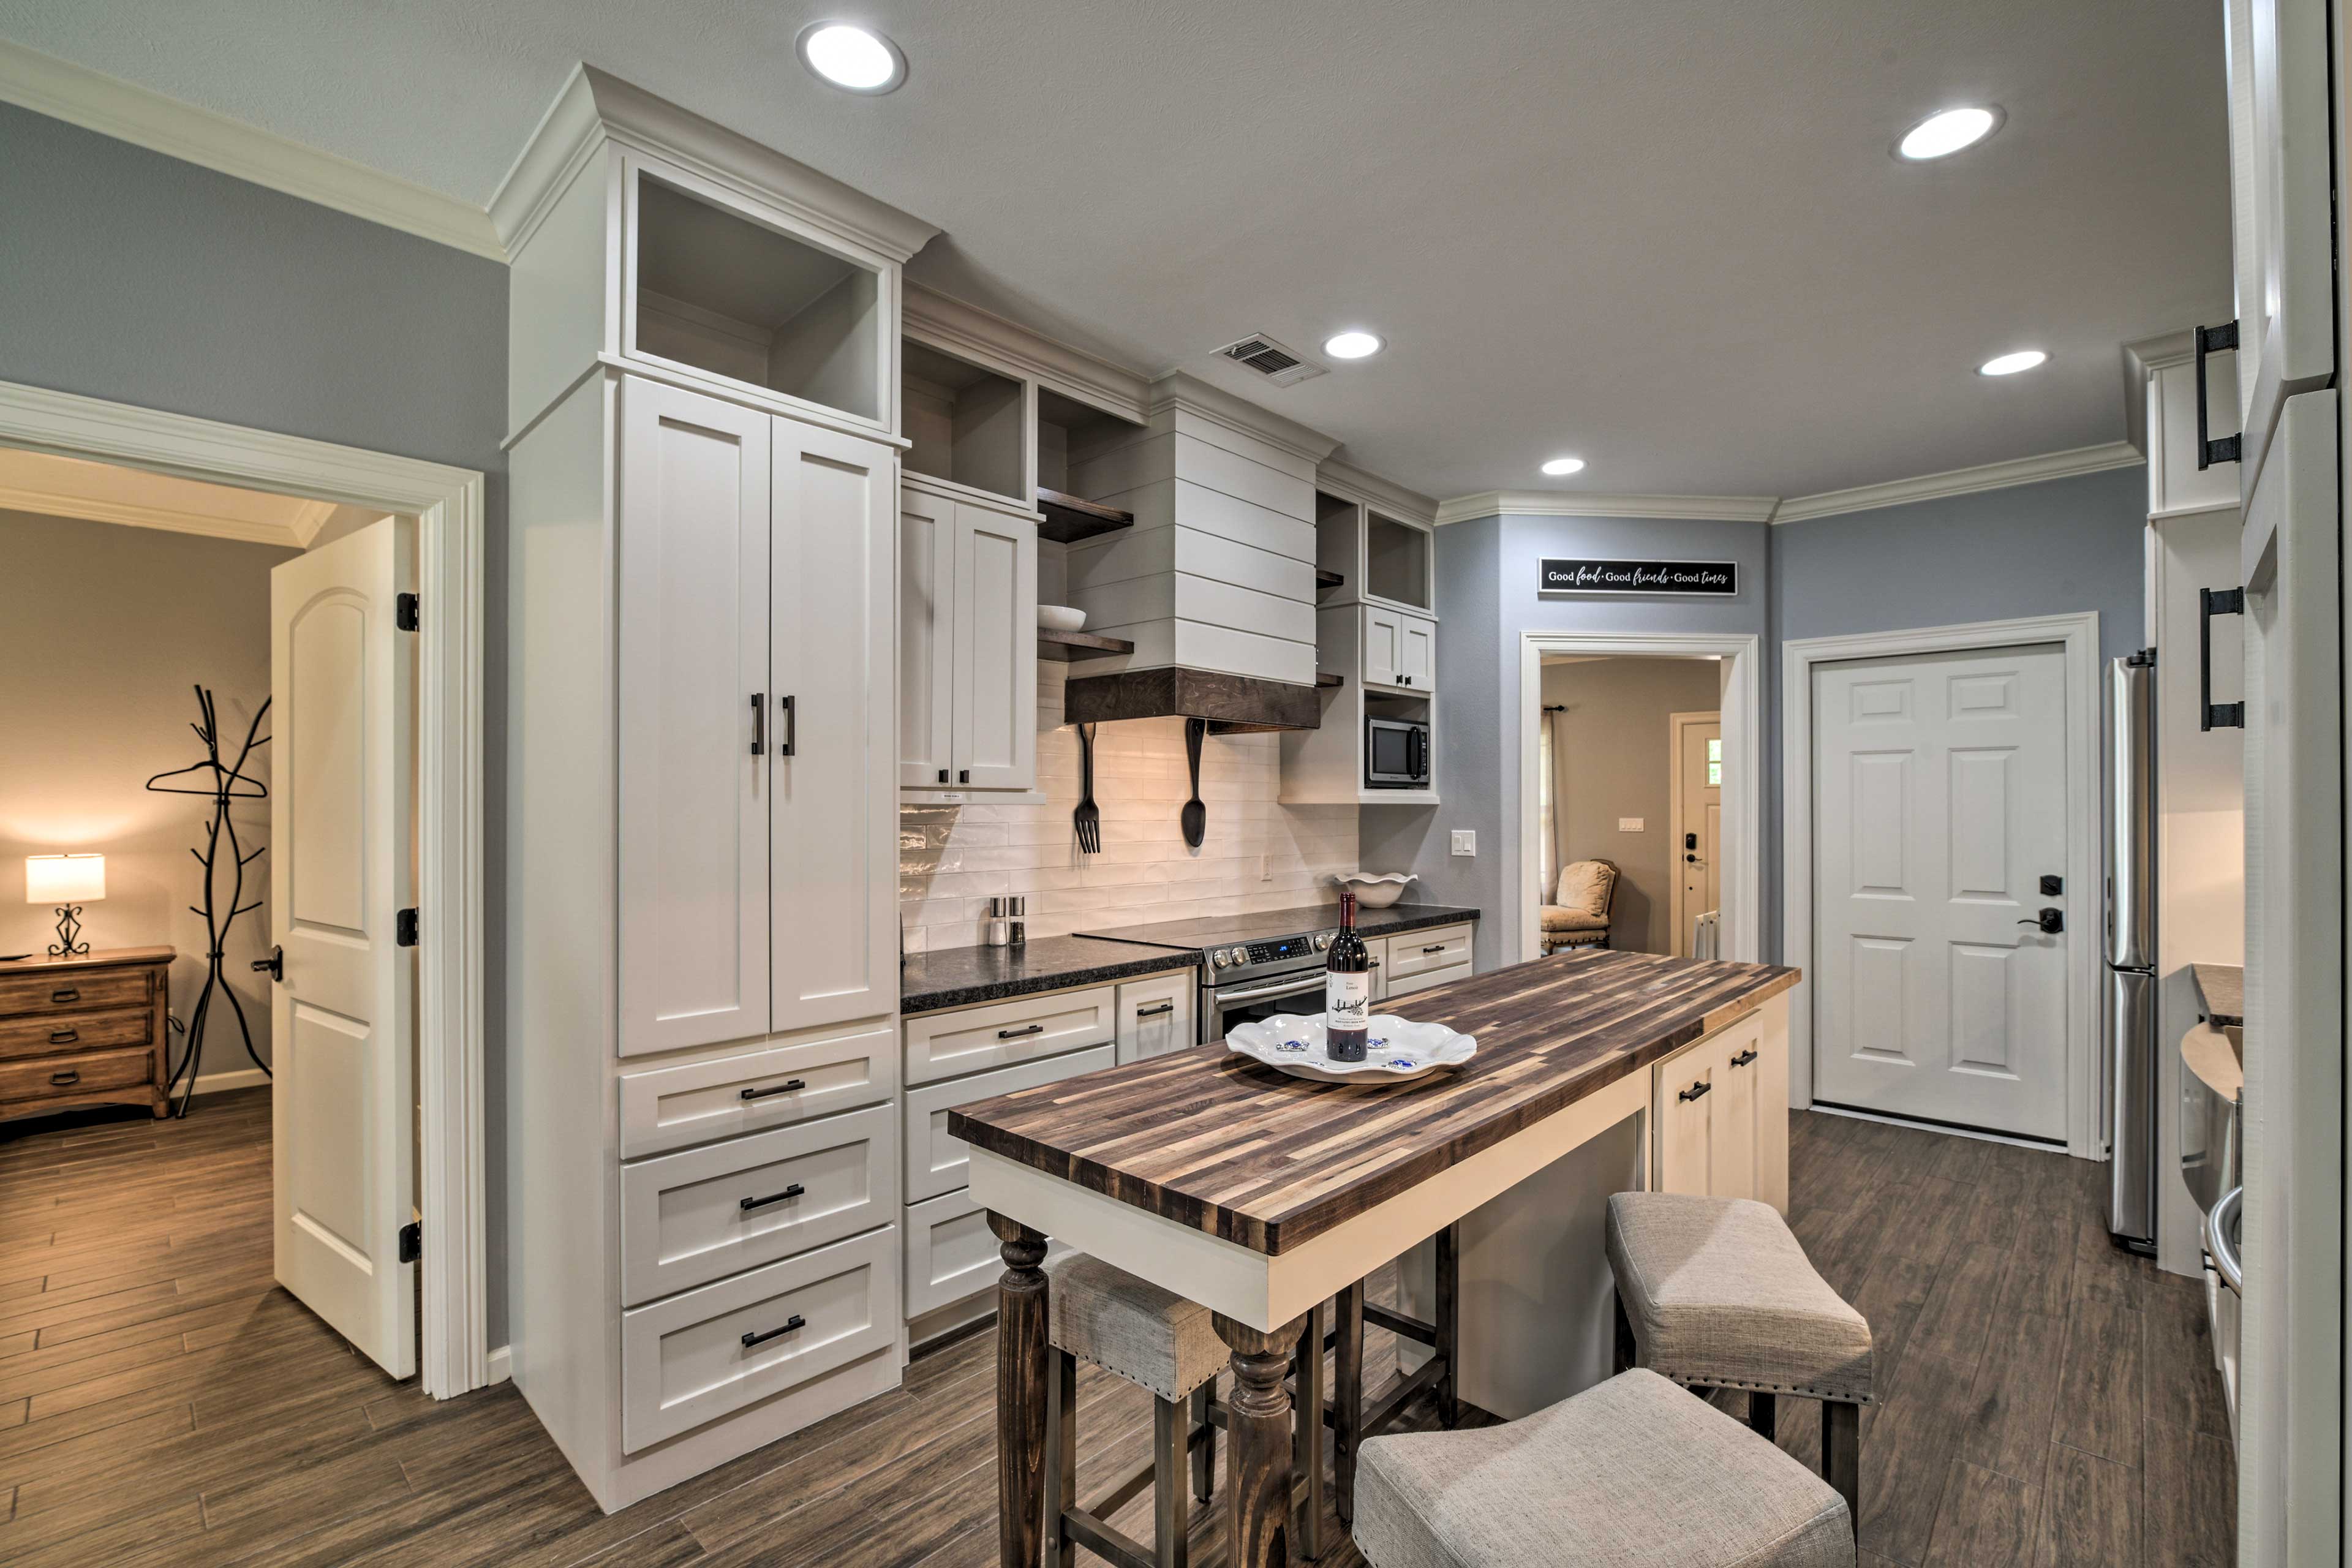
pixel 273 966
pixel 2051 921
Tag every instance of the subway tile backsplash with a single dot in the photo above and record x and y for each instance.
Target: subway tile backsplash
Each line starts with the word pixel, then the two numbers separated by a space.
pixel 1256 855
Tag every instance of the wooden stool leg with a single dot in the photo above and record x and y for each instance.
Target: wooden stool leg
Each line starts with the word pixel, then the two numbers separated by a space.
pixel 1172 1518
pixel 1348 1399
pixel 1307 1432
pixel 1628 1353
pixel 1061 1456
pixel 1841 1455
pixel 1203 1443
pixel 1763 1415
pixel 1449 1325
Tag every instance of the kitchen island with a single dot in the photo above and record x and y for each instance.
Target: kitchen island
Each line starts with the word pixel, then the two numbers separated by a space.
pixel 1262 1196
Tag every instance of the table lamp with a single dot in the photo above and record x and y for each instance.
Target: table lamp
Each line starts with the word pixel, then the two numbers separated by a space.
pixel 67 881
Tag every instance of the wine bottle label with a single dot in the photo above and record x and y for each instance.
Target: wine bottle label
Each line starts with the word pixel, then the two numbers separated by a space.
pixel 1346 1001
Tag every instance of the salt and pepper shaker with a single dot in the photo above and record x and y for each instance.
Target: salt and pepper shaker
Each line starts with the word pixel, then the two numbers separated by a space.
pixel 1007 925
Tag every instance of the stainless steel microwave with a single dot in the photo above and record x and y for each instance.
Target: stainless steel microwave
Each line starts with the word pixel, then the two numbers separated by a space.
pixel 1396 754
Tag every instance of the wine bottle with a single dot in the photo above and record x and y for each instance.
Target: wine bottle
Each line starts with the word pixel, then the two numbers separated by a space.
pixel 1347 989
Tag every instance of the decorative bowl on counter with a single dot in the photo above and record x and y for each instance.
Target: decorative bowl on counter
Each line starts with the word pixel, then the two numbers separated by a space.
pixel 1376 890
pixel 1399 1048
pixel 1061 618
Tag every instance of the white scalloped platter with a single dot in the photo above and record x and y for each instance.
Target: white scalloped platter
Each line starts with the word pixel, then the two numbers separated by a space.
pixel 1400 1048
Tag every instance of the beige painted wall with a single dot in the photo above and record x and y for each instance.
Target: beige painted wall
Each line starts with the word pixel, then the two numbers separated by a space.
pixel 1612 762
pixel 104 629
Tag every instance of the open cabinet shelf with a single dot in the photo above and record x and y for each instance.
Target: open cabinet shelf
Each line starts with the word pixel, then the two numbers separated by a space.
pixel 1069 519
pixel 966 424
pixel 1063 647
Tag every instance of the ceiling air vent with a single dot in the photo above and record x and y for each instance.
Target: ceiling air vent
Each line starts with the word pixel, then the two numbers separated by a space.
pixel 1280 365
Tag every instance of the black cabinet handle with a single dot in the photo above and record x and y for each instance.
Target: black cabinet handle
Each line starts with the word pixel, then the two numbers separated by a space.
pixel 748 1204
pixel 64 1036
pixel 1155 1011
pixel 2212 715
pixel 758 724
pixel 795 1322
pixel 943 775
pixel 784 1088
pixel 2224 450
pixel 1696 1091
pixel 1017 1034
pixel 1440 947
pixel 65 996
pixel 1744 1058
pixel 65 1079
pixel 963 776
pixel 790 745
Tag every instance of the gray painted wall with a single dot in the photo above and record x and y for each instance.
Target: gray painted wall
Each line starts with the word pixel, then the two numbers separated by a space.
pixel 133 276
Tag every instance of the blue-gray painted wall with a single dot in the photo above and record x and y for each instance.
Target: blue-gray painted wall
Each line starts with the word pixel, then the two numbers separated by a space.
pixel 129 276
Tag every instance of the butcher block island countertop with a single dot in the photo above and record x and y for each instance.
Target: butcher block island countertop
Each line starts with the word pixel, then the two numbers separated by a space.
pixel 1268 1161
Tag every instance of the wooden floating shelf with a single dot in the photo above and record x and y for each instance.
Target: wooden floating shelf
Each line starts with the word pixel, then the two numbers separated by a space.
pixel 1069 519
pixel 1325 578
pixel 1326 679
pixel 1063 646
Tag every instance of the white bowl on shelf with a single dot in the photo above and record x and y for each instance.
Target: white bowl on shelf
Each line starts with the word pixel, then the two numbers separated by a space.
pixel 1061 618
pixel 1376 890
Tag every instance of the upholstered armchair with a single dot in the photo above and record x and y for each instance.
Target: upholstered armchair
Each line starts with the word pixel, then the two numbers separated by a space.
pixel 1578 912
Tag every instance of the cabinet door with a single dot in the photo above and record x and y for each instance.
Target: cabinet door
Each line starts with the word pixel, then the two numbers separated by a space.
pixel 1383 654
pixel 996 650
pixel 693 634
pixel 2282 206
pixel 927 595
pixel 1683 1087
pixel 1378 948
pixel 1155 1015
pixel 1416 652
pixel 1732 1113
pixel 834 790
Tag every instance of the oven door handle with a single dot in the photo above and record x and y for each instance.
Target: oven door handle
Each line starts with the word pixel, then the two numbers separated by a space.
pixel 1268 993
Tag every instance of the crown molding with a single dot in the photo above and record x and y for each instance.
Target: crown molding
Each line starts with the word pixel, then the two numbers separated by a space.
pixel 1563 503
pixel 172 520
pixel 1195 397
pixel 129 113
pixel 1349 482
pixel 945 322
pixel 1962 482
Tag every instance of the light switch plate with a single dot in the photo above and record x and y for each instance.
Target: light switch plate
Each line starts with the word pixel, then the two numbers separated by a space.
pixel 1628 824
pixel 1466 841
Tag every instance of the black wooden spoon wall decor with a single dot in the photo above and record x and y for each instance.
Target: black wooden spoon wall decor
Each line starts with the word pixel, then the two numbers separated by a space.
pixel 1195 815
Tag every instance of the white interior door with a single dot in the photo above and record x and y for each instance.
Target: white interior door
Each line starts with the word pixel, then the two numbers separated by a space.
pixel 1698 822
pixel 1939 784
pixel 343 1110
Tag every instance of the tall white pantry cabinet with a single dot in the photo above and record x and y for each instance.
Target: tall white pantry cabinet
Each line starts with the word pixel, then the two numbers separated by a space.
pixel 702 1039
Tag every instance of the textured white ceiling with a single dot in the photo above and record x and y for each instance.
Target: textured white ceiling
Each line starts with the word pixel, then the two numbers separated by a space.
pixel 1665 234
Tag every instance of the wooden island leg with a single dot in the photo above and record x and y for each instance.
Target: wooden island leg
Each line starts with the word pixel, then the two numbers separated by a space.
pixel 1020 1393
pixel 1257 1445
pixel 1348 1399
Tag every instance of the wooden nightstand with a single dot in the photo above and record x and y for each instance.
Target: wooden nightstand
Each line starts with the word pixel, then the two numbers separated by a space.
pixel 84 1031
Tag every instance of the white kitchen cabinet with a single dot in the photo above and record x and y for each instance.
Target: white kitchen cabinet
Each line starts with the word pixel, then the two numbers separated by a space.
pixel 968 634
pixel 1720 1109
pixel 1400 649
pixel 1155 1014
pixel 1417 653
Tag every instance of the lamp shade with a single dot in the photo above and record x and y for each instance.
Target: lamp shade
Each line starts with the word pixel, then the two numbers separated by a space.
pixel 64 879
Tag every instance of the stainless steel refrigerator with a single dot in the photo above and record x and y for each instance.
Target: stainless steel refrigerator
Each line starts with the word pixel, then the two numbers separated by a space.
pixel 2129 1101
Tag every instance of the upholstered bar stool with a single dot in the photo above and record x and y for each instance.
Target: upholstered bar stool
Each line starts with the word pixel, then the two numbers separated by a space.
pixel 1633 1471
pixel 1167 1346
pixel 1717 1293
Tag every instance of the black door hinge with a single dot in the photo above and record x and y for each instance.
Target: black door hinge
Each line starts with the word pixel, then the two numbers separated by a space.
pixel 403 928
pixel 412 1241
pixel 407 611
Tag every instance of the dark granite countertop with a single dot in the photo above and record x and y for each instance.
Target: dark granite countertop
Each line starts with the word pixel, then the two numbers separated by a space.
pixel 1216 930
pixel 968 977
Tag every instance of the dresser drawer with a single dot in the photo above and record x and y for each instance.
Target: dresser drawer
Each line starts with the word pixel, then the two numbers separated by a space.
pixel 44 1077
pixel 692 1217
pixel 74 992
pixel 669 1108
pixel 684 1360
pixel 970 1039
pixel 59 1034
pixel 936 1162
pixel 1416 952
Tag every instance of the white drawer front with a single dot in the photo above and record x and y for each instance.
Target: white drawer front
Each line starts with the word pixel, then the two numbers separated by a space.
pixel 1155 1015
pixel 668 1108
pixel 1427 980
pixel 936 1162
pixel 684 1219
pixel 684 1361
pixel 1412 952
pixel 969 1039
pixel 951 1255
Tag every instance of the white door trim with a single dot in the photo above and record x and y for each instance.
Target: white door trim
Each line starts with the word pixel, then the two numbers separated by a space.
pixel 1743 751
pixel 1677 900
pixel 448 506
pixel 2084 904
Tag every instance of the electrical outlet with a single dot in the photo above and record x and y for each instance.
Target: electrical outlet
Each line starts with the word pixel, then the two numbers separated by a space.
pixel 1628 824
pixel 1466 841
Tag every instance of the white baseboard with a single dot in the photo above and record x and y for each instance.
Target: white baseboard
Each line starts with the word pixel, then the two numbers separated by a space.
pixel 222 1082
pixel 501 1365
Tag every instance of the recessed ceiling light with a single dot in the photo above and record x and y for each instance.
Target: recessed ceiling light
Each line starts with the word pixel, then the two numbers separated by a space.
pixel 1559 466
pixel 853 59
pixel 2010 365
pixel 1941 135
pixel 1352 345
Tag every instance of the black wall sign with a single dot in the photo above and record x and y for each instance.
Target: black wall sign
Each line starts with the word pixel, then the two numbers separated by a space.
pixel 1707 579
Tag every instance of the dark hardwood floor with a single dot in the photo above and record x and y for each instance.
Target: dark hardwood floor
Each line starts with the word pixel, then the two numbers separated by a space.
pixel 2048 1401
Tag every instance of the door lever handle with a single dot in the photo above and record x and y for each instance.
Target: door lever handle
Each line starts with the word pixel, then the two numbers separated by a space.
pixel 274 966
pixel 2049 921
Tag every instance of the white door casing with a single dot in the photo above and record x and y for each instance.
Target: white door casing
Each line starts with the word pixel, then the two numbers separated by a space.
pixel 1935 783
pixel 1695 757
pixel 342 1106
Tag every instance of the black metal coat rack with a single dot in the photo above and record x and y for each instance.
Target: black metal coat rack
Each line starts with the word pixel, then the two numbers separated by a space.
pixel 223 783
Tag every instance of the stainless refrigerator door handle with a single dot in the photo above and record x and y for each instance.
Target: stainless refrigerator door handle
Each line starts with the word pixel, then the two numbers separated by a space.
pixel 2218 1245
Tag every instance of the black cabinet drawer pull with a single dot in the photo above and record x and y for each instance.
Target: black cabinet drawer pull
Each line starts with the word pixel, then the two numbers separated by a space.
pixel 786 1087
pixel 64 1036
pixel 1744 1058
pixel 790 746
pixel 748 1204
pixel 65 996
pixel 1438 948
pixel 1017 1034
pixel 65 1079
pixel 2210 448
pixel 1695 1090
pixel 795 1322
pixel 2212 715
pixel 1155 1011
pixel 758 724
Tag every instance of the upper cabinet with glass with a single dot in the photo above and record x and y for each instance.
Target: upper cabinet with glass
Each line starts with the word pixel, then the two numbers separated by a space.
pixel 647 238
